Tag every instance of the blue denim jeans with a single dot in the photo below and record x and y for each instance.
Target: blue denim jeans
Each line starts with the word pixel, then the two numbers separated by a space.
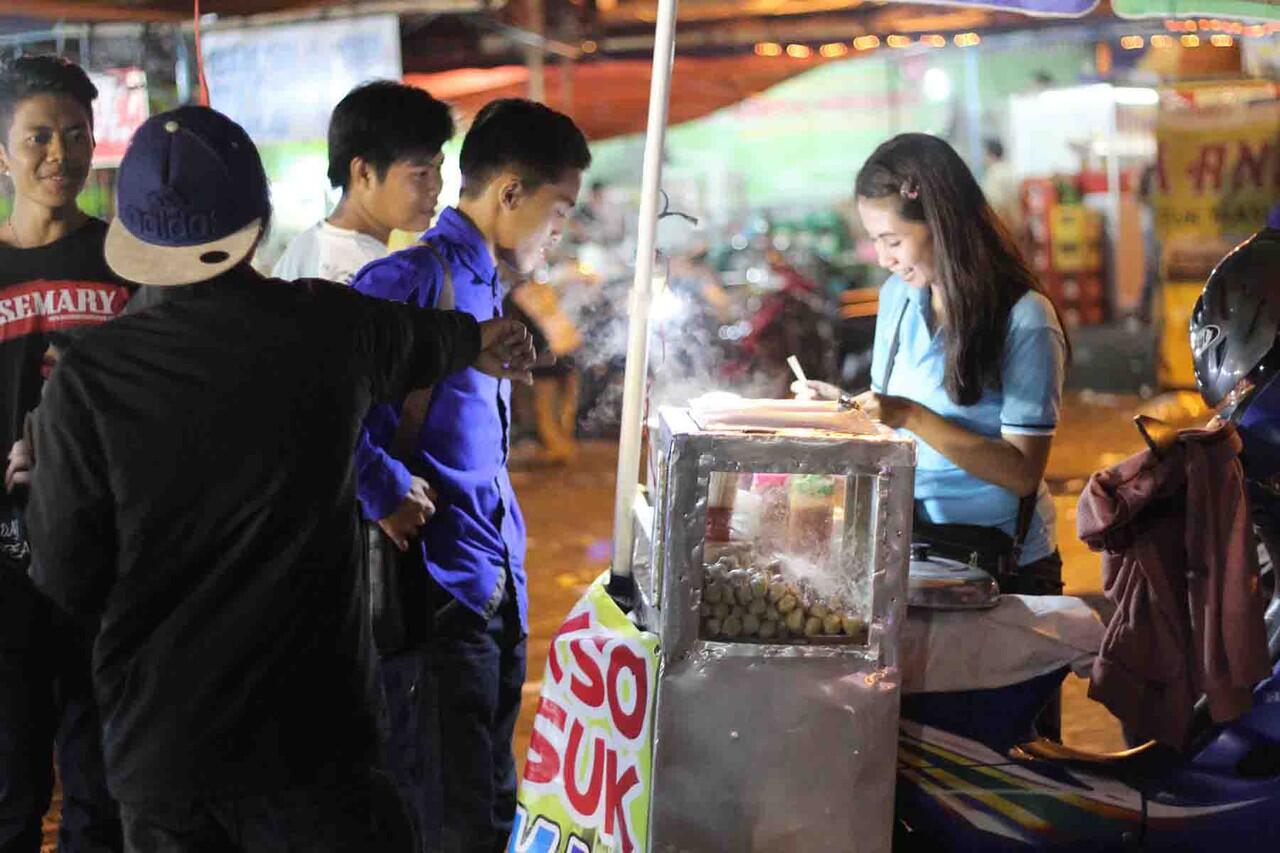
pixel 451 709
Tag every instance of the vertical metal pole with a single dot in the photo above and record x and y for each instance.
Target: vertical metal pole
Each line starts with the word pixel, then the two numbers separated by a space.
pixel 973 107
pixel 182 65
pixel 535 58
pixel 638 332
pixel 1113 200
pixel 895 99
pixel 566 85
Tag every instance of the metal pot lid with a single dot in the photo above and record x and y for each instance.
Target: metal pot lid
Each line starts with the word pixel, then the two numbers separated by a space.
pixel 940 583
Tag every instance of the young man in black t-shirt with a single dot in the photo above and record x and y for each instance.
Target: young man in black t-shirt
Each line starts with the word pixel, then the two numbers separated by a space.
pixel 53 280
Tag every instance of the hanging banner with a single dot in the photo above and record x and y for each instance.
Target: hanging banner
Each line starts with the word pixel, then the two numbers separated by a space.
pixel 1218 163
pixel 1217 176
pixel 588 772
pixel 308 67
pixel 121 107
pixel 1239 10
pixel 1037 8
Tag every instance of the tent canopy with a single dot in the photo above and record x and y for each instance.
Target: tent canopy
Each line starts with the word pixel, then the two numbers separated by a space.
pixel 622 14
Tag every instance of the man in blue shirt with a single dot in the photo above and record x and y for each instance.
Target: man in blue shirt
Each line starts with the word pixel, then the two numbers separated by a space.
pixel 454 696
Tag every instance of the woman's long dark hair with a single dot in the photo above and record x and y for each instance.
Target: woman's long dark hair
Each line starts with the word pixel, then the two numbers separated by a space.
pixel 979 267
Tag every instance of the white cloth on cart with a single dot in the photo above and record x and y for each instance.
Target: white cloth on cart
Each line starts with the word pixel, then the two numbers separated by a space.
pixel 1022 637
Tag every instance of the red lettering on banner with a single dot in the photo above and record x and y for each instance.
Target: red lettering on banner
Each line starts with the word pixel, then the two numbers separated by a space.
pixel 1255 165
pixel 616 788
pixel 584 802
pixel 578 623
pixel 629 725
pixel 596 779
pixel 590 691
pixel 1207 167
pixel 1162 175
pixel 544 761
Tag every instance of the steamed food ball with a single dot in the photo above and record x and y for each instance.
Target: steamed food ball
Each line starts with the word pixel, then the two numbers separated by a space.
pixel 794 620
pixel 777 589
pixel 819 609
pixel 750 625
pixel 720 610
pixel 788 603
pixel 713 592
pixel 759 586
pixel 731 626
pixel 853 626
pixel 812 626
pixel 831 623
pixel 757 607
pixel 713 627
pixel 771 612
pixel 768 629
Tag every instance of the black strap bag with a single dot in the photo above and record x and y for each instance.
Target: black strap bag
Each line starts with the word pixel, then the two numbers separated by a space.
pixel 397 581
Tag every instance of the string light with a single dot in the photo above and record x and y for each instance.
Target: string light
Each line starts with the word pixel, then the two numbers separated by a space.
pixel 897 41
pixel 967 39
pixel 589 46
pixel 1221 40
pixel 866 42
pixel 933 41
pixel 1190 41
pixel 768 48
pixel 834 50
pixel 1161 41
pixel 799 51
pixel 1132 42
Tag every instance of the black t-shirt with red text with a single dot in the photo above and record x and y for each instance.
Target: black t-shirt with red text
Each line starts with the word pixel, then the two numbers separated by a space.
pixel 45 291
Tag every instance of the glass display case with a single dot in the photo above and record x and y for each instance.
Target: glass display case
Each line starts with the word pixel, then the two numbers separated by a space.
pixel 777 577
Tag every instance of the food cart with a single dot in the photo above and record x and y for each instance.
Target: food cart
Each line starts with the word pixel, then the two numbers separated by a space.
pixel 747 698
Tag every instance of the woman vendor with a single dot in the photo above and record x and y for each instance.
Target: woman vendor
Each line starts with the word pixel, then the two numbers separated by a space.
pixel 969 353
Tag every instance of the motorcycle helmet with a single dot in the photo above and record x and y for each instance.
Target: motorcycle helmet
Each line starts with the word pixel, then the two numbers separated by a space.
pixel 1234 325
pixel 1234 346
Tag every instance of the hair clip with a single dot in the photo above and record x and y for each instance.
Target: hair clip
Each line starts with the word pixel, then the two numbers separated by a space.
pixel 908 191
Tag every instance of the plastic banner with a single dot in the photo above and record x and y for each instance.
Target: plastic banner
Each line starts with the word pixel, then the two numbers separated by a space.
pixel 1038 8
pixel 1217 171
pixel 588 772
pixel 307 67
pixel 120 109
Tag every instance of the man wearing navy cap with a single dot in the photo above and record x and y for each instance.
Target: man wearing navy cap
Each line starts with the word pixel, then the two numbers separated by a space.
pixel 193 490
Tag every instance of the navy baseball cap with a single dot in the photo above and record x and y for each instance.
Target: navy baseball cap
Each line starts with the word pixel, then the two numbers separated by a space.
pixel 191 199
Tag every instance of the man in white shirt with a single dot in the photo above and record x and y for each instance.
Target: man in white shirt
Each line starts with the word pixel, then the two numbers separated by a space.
pixel 384 153
pixel 1000 186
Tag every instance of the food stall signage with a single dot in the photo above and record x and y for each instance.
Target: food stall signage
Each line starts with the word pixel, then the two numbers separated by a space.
pixel 587 773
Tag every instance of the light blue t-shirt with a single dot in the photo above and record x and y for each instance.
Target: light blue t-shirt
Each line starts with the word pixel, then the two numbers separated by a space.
pixel 1026 404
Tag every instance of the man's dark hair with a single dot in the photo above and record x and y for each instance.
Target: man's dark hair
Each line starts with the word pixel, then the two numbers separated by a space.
pixel 525 136
pixel 995 148
pixel 382 122
pixel 31 75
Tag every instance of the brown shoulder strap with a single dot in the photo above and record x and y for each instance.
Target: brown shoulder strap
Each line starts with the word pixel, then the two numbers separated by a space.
pixel 413 414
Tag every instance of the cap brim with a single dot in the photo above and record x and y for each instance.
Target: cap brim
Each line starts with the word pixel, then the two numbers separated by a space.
pixel 145 263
